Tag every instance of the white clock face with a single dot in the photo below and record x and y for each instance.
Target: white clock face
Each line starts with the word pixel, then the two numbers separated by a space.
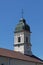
pixel 28 47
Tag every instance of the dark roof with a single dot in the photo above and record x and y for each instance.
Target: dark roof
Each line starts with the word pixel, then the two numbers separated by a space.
pixel 21 26
pixel 18 55
pixel 37 57
pixel 33 56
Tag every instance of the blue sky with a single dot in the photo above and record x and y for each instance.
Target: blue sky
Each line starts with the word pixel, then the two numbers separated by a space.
pixel 10 14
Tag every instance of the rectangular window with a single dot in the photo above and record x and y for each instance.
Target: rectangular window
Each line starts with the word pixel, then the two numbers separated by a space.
pixel 19 39
pixel 26 39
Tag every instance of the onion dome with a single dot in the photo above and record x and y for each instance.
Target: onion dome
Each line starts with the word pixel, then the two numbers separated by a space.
pixel 21 26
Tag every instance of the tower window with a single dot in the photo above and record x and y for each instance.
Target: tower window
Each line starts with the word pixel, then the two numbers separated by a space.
pixel 26 39
pixel 19 39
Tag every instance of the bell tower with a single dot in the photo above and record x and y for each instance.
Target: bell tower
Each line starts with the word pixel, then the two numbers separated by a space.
pixel 22 35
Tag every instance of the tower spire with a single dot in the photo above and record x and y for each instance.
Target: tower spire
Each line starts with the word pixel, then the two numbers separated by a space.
pixel 22 12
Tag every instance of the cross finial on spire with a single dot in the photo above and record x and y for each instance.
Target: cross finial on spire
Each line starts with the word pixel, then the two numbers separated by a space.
pixel 22 12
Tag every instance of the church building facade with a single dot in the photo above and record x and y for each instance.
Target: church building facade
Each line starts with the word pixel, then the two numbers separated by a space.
pixel 22 54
